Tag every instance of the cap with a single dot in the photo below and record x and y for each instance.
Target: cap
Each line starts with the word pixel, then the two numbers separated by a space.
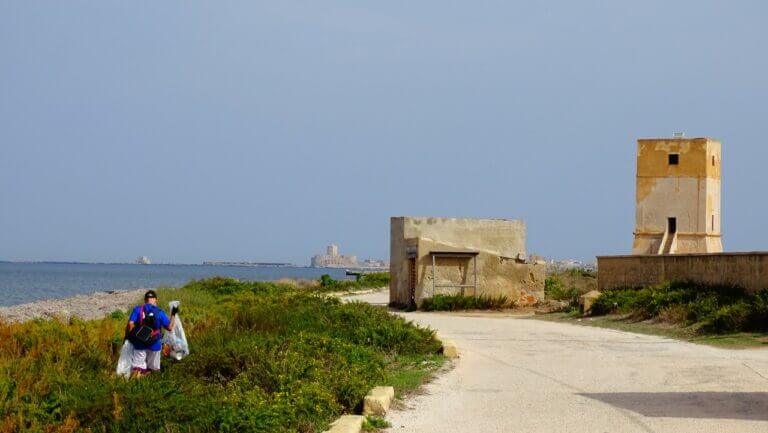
pixel 150 294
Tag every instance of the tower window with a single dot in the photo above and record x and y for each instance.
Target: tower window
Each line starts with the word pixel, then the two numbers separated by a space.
pixel 674 159
pixel 713 160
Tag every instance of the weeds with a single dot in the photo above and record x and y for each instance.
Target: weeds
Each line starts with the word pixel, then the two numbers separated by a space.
pixel 555 289
pixel 365 281
pixel 714 309
pixel 266 357
pixel 374 423
pixel 461 302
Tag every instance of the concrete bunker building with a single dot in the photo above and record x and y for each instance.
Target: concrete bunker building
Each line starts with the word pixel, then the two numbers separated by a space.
pixel 430 256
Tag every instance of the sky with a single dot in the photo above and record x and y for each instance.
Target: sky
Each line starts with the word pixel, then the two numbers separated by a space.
pixel 252 130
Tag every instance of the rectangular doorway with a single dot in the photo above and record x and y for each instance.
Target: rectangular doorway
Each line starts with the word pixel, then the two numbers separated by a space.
pixel 412 282
pixel 671 225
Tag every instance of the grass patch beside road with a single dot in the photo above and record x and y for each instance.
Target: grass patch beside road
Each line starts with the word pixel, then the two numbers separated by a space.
pixel 714 315
pixel 463 302
pixel 371 280
pixel 623 322
pixel 409 372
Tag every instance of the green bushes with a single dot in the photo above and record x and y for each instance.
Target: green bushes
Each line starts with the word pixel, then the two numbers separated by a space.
pixel 265 358
pixel 374 279
pixel 554 288
pixel 716 309
pixel 371 280
pixel 461 302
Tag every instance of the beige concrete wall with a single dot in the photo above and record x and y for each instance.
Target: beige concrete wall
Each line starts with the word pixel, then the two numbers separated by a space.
pixel 748 270
pixel 497 236
pixel 500 266
pixel 689 192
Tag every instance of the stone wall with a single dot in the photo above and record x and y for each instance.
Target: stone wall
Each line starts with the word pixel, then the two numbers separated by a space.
pixel 747 270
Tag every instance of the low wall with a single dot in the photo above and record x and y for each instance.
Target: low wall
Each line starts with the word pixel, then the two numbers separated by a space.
pixel 747 270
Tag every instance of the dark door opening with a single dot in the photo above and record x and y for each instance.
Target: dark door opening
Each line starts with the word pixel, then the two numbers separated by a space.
pixel 672 225
pixel 412 282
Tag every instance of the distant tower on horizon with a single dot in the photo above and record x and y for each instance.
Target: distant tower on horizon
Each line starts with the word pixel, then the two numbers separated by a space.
pixel 678 196
pixel 332 259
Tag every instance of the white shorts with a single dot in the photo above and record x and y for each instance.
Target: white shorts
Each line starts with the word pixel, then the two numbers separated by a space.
pixel 146 360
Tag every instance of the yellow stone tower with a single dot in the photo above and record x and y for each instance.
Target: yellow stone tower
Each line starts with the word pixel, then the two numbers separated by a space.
pixel 678 196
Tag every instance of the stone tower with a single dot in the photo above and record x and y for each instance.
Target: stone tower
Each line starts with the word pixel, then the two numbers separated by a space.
pixel 678 196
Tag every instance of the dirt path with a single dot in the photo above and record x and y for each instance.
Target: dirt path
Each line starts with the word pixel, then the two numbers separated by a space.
pixel 521 375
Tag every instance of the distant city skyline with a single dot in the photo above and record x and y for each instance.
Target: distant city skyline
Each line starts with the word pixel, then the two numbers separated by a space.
pixel 262 131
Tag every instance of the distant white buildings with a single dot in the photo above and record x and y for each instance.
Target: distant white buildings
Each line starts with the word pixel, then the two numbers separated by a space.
pixel 569 264
pixel 143 260
pixel 374 264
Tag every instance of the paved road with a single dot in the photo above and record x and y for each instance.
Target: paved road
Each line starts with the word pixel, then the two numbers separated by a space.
pixel 524 375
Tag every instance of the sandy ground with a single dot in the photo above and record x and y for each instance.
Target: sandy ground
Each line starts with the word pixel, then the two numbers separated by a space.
pixel 94 306
pixel 523 375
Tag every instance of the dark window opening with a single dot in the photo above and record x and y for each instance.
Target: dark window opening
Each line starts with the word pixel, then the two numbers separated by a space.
pixel 672 225
pixel 713 223
pixel 713 160
pixel 674 159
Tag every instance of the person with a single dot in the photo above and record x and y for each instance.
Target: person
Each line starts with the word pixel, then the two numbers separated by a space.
pixel 146 356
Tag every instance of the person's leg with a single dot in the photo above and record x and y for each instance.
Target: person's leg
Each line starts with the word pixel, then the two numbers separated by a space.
pixel 139 362
pixel 153 360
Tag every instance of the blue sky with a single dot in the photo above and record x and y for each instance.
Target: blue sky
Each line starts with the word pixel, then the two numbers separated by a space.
pixel 187 130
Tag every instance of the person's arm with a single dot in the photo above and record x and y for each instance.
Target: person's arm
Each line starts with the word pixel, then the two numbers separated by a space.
pixel 131 322
pixel 171 323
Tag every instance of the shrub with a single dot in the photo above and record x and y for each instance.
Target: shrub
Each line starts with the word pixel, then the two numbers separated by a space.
pixel 374 279
pixel 461 302
pixel 364 281
pixel 729 318
pixel 375 423
pixel 555 289
pixel 266 357
pixel 717 309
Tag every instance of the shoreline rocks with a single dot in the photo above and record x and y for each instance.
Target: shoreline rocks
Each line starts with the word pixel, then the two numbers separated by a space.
pixel 86 307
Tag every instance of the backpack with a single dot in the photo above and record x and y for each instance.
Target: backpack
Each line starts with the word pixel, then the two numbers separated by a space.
pixel 144 332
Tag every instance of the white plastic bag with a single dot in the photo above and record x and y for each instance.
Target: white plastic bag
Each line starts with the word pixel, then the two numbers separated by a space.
pixel 176 339
pixel 124 363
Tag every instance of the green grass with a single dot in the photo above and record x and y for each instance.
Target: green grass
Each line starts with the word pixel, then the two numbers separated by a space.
pixel 624 322
pixel 711 309
pixel 374 423
pixel 265 358
pixel 461 302
pixel 554 288
pixel 408 373
pixel 372 280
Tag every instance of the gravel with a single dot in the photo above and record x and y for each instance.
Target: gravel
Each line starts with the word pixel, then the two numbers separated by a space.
pixel 86 307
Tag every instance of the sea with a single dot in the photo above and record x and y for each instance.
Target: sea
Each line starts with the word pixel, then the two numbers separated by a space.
pixel 28 282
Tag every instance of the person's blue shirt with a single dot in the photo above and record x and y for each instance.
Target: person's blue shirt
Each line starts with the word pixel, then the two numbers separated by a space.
pixel 161 321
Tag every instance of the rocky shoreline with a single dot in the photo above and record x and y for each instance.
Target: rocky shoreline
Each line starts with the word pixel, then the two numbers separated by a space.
pixel 86 307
